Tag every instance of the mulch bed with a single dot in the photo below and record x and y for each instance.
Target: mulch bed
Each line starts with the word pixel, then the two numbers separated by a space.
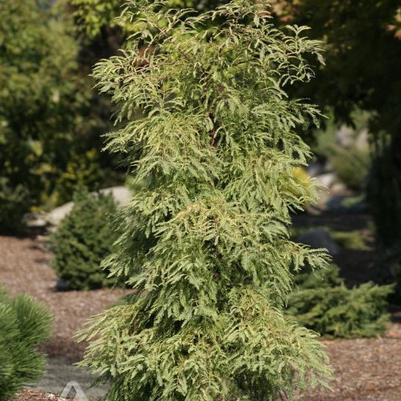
pixel 365 369
pixel 25 268
pixel 33 395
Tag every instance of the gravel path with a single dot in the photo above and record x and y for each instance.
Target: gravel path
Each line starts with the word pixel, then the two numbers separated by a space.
pixel 60 372
pixel 365 369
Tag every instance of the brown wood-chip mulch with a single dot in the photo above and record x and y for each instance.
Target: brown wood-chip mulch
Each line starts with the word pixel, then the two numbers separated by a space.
pixel 25 268
pixel 33 395
pixel 365 369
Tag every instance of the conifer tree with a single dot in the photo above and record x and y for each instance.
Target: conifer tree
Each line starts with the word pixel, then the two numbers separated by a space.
pixel 213 140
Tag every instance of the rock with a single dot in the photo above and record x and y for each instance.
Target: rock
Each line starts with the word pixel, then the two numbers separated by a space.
pixel 55 217
pixel 326 180
pixel 362 140
pixel 348 137
pixel 35 220
pixel 319 238
pixel 120 194
pixel 60 375
pixel 345 136
pixel 338 188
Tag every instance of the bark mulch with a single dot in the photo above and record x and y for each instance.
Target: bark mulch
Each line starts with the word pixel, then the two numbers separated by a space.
pixel 33 395
pixel 365 369
pixel 25 268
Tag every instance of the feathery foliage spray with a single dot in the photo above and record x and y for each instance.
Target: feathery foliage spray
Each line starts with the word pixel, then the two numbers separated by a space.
pixel 212 137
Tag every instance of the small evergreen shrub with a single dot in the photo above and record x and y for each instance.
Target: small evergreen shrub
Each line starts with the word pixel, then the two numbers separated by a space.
pixel 324 304
pixel 24 325
pixel 84 238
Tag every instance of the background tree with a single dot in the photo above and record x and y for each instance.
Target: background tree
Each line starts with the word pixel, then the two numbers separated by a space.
pixel 363 71
pixel 212 137
pixel 100 17
pixel 38 100
pixel 46 122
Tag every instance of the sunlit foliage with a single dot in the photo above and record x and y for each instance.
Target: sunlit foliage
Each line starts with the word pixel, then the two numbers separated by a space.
pixel 213 140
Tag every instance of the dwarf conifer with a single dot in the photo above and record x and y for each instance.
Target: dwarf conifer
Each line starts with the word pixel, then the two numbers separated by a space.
pixel 24 326
pixel 82 241
pixel 212 136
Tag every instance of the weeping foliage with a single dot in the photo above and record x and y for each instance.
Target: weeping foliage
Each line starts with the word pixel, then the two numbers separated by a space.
pixel 212 138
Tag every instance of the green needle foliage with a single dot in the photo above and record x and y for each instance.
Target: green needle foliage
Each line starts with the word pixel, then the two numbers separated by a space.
pixel 24 325
pixel 323 303
pixel 84 238
pixel 212 136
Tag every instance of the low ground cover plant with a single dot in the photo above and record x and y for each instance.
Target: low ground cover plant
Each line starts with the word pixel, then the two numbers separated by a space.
pixel 323 303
